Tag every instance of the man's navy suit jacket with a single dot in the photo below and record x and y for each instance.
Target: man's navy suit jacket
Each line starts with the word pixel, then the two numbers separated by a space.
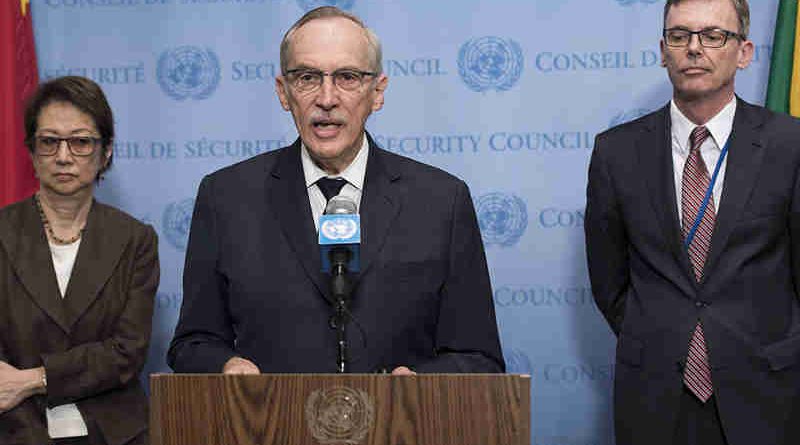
pixel 253 285
pixel 747 300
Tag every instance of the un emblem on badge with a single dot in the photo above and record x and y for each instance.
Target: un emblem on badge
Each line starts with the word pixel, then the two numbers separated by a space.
pixel 339 415
pixel 488 63
pixel 337 229
pixel 308 5
pixel 176 222
pixel 188 72
pixel 503 218
pixel 517 362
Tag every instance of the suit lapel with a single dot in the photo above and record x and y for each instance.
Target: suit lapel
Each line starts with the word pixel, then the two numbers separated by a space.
pixel 380 204
pixel 102 245
pixel 657 169
pixel 745 155
pixel 30 257
pixel 288 200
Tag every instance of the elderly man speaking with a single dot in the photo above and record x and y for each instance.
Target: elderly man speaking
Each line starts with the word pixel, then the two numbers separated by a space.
pixel 256 298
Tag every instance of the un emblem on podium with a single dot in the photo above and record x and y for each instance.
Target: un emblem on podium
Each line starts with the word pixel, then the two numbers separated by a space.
pixel 339 415
pixel 188 72
pixel 487 63
pixel 502 218
pixel 176 222
pixel 308 5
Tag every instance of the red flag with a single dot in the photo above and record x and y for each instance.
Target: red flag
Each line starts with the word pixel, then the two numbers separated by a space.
pixel 18 79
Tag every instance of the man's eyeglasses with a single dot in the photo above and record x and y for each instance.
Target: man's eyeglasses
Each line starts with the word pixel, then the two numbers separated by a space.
pixel 709 38
pixel 308 80
pixel 77 145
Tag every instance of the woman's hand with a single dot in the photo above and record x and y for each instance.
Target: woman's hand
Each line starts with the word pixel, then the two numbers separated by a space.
pixel 16 385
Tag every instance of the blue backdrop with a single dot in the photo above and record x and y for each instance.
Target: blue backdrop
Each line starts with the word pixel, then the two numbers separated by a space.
pixel 506 94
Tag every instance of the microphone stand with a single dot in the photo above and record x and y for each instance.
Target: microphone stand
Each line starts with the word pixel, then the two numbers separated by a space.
pixel 340 288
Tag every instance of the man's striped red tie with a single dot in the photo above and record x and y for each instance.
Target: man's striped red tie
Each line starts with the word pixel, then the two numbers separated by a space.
pixel 697 374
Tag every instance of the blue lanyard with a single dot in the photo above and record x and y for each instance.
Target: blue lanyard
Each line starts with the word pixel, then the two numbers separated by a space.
pixel 709 192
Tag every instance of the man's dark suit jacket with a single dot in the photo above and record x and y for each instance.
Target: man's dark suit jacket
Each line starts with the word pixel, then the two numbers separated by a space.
pixel 748 300
pixel 253 286
pixel 93 342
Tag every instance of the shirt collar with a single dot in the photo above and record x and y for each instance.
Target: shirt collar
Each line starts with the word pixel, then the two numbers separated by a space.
pixel 720 126
pixel 353 174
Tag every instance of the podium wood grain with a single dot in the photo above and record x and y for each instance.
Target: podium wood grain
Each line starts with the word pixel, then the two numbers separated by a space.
pixel 267 409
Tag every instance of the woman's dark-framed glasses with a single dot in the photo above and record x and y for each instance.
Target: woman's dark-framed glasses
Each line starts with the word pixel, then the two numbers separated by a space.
pixel 308 80
pixel 77 145
pixel 709 38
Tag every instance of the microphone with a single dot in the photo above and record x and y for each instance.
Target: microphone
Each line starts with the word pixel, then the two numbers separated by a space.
pixel 339 240
pixel 340 236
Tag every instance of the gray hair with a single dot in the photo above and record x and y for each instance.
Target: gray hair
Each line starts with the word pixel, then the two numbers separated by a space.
pixel 742 13
pixel 324 12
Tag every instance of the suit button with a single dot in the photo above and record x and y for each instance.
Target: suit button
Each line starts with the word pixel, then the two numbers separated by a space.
pixel 700 304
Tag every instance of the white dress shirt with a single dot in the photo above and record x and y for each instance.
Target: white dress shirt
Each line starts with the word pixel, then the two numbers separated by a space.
pixel 354 175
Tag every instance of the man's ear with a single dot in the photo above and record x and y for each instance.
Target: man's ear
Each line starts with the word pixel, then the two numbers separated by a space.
pixel 380 87
pixel 746 51
pixel 282 89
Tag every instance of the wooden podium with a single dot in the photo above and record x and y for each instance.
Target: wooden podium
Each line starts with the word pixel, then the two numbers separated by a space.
pixel 353 409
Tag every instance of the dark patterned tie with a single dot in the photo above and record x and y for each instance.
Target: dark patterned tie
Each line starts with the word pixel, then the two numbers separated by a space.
pixel 697 374
pixel 330 187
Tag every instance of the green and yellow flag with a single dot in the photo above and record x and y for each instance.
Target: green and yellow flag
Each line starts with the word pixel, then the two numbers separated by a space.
pixel 783 91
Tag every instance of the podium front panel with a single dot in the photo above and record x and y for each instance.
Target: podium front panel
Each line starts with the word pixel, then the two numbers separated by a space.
pixel 330 409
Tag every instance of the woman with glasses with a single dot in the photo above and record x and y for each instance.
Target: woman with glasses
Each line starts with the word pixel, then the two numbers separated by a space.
pixel 77 285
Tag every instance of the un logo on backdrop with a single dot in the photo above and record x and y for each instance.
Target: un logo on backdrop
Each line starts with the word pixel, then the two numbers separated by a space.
pixel 632 2
pixel 490 63
pixel 308 5
pixel 502 218
pixel 627 116
pixel 176 221
pixel 517 362
pixel 188 72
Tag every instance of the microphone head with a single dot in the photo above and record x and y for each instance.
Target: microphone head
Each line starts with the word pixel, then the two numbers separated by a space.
pixel 340 205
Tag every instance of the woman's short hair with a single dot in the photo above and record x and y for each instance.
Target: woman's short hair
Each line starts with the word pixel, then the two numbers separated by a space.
pixel 80 92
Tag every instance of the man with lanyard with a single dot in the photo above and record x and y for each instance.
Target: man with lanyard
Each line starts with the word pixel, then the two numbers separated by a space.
pixel 692 237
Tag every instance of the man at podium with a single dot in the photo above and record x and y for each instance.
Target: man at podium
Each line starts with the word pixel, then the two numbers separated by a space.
pixel 256 298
